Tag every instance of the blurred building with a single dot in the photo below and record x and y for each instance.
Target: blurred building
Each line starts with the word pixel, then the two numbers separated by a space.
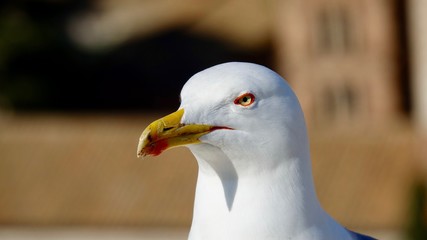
pixel 342 59
pixel 347 60
pixel 358 62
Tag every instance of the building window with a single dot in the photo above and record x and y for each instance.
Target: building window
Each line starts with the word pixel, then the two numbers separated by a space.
pixel 347 99
pixel 333 30
pixel 339 103
pixel 329 103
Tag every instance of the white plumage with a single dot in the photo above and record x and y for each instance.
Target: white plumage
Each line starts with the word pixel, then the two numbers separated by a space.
pixel 255 179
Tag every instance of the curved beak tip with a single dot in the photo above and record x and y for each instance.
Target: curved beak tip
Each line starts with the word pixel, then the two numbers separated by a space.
pixel 142 143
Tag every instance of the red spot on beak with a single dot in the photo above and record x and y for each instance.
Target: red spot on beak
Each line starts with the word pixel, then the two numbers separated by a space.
pixel 156 147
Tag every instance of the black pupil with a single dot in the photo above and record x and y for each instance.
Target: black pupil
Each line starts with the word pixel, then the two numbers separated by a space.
pixel 245 99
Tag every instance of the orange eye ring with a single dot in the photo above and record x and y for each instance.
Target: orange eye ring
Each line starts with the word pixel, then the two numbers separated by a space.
pixel 245 99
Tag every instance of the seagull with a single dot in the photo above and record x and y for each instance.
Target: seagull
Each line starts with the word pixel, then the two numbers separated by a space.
pixel 245 127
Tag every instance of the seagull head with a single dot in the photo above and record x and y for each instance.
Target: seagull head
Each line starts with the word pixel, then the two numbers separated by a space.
pixel 244 125
pixel 238 111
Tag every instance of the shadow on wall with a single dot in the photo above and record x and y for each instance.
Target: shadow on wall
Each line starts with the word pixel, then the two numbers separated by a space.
pixel 42 69
pixel 417 225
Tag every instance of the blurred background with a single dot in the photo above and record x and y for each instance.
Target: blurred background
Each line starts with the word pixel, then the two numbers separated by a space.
pixel 80 80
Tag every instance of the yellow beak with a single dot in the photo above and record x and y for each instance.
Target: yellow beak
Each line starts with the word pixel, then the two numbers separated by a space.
pixel 169 132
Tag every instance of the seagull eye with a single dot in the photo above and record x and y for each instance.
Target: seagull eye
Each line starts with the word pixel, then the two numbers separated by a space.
pixel 245 99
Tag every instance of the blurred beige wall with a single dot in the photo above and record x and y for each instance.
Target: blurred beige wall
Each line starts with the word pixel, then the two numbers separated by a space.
pixel 62 170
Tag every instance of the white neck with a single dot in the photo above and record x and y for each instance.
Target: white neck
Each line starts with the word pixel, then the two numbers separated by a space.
pixel 271 205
